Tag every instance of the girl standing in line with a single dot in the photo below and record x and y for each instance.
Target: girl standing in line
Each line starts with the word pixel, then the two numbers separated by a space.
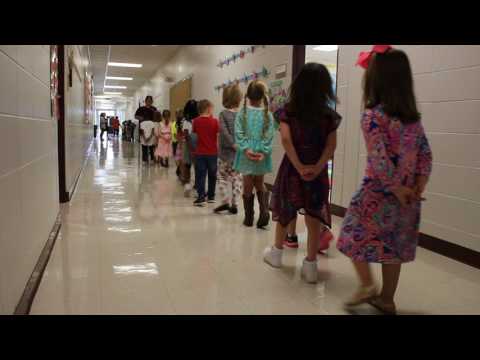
pixel 229 180
pixel 176 134
pixel 308 133
pixel 164 135
pixel 178 153
pixel 254 131
pixel 381 225
pixel 190 112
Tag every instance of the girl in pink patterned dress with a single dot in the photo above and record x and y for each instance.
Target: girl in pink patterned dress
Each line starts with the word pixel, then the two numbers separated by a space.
pixel 164 135
pixel 382 222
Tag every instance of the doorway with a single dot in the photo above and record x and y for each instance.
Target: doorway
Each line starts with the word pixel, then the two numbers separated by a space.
pixel 180 93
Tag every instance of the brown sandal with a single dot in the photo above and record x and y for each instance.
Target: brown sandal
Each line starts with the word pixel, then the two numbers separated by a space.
pixel 386 309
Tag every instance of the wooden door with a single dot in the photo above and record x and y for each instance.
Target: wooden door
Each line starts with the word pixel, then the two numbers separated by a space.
pixel 180 93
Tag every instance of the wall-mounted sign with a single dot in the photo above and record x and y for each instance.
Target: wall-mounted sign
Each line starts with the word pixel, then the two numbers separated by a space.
pixel 280 71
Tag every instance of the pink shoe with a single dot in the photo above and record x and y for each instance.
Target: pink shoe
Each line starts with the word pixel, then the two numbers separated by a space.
pixel 324 242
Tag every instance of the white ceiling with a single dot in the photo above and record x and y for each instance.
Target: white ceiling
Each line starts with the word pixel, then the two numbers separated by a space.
pixel 322 57
pixel 151 56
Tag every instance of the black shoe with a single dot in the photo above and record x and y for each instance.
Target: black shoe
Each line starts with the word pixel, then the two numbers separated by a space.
pixel 221 208
pixel 233 210
pixel 291 241
pixel 248 204
pixel 211 200
pixel 264 217
pixel 199 202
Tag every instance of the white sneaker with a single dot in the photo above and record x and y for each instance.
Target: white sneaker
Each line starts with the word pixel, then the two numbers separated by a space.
pixel 273 256
pixel 310 271
pixel 187 190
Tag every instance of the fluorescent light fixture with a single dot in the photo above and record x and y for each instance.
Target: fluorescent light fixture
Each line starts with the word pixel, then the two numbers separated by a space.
pixel 118 78
pixel 326 48
pixel 117 64
pixel 112 93
pixel 115 87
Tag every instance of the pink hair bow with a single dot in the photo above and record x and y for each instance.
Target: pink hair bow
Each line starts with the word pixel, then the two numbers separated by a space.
pixel 365 56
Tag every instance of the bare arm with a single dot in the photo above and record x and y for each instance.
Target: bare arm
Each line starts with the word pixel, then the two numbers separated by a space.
pixel 287 144
pixel 328 152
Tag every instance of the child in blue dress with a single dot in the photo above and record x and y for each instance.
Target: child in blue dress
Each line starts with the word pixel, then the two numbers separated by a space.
pixel 254 131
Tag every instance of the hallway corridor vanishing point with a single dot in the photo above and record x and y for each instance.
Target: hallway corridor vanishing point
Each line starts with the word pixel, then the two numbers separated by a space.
pixel 130 243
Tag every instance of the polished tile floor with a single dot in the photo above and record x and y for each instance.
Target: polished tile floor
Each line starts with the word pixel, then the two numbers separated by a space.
pixel 131 243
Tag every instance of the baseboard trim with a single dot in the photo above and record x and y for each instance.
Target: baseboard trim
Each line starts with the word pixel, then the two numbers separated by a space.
pixel 80 172
pixel 337 210
pixel 24 305
pixel 439 246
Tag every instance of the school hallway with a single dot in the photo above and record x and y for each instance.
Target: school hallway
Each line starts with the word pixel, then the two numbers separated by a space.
pixel 131 243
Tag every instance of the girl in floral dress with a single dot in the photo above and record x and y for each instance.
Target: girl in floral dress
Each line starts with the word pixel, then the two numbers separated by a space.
pixel 254 131
pixel 382 222
pixel 308 132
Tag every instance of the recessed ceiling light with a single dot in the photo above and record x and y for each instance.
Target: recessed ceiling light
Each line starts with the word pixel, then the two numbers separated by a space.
pixel 112 93
pixel 118 78
pixel 326 48
pixel 117 64
pixel 115 87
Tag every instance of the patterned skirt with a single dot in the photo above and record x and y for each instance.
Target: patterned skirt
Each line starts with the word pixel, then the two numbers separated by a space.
pixel 292 195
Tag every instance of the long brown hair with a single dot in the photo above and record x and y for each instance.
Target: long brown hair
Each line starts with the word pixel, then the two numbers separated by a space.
pixel 257 91
pixel 388 82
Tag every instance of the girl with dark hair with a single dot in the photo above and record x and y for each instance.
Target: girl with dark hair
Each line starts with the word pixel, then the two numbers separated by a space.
pixel 190 112
pixel 254 130
pixel 382 222
pixel 308 133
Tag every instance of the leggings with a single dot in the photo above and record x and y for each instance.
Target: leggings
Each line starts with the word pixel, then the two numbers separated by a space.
pixel 229 183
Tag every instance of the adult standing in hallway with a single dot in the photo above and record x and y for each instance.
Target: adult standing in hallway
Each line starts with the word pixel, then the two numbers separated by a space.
pixel 103 125
pixel 146 112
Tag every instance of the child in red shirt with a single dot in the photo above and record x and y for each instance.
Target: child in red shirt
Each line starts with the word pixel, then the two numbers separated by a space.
pixel 206 128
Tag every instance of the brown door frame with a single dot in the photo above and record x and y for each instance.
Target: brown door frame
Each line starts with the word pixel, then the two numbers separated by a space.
pixel 299 56
pixel 62 183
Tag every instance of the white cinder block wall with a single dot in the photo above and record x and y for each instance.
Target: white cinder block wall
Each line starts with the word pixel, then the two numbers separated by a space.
pixel 28 166
pixel 201 62
pixel 78 133
pixel 447 82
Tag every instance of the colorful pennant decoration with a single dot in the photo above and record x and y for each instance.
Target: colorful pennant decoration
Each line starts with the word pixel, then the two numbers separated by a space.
pixel 240 55
pixel 254 75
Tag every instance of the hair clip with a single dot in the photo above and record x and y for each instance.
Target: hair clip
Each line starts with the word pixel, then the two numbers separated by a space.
pixel 365 56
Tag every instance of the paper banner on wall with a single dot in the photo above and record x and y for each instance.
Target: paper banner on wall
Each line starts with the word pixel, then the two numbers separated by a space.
pixel 263 73
pixel 239 55
pixel 277 95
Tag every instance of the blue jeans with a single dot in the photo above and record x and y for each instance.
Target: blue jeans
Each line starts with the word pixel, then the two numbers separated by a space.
pixel 206 165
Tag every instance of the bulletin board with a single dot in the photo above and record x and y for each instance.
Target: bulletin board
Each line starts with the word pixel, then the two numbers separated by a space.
pixel 180 93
